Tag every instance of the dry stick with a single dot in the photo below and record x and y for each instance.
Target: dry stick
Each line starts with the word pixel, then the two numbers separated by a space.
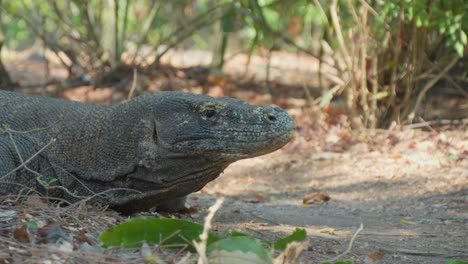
pixel 185 259
pixel 442 122
pixel 350 245
pixel 422 253
pixel 23 164
pixel 363 60
pixel 277 34
pixel 430 84
pixel 88 198
pixel 375 89
pixel 396 51
pixel 150 19
pixel 201 247
pixel 339 33
pixel 9 130
pixel 347 58
pixel 456 85
pixel 184 32
pixel 134 82
pixel 38 178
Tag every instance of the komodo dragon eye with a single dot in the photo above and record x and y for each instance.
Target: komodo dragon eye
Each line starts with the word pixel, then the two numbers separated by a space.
pixel 209 113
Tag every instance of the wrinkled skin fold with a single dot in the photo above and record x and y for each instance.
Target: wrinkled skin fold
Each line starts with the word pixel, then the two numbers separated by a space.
pixel 148 152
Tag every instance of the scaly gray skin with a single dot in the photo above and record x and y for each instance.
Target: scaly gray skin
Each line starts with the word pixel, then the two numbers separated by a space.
pixel 151 151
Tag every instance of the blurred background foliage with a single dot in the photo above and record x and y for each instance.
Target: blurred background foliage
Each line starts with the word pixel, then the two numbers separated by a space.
pixel 385 55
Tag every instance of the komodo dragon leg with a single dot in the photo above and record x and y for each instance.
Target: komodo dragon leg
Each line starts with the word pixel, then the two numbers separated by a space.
pixel 173 205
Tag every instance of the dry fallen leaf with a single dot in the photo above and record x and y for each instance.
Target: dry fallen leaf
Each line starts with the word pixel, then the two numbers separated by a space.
pixel 21 234
pixel 327 230
pixel 82 238
pixel 259 198
pixel 396 155
pixel 316 198
pixel 37 202
pixel 292 252
pixel 376 255
pixel 374 258
pixel 51 232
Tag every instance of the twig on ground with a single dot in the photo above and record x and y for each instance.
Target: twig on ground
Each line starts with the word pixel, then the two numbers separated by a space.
pixel 442 122
pixel 6 129
pixel 423 253
pixel 201 246
pixel 23 164
pixel 134 82
pixel 350 245
pixel 184 259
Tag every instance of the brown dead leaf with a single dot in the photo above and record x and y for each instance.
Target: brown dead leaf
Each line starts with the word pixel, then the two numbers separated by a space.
pixel 313 184
pixel 37 202
pixel 82 238
pixel 393 139
pixel 376 256
pixel 292 252
pixel 6 260
pixel 217 80
pixel 328 230
pixel 396 155
pixel 51 232
pixel 21 234
pixel 259 198
pixel 316 198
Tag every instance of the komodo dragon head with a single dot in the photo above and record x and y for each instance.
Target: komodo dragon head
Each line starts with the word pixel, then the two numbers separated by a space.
pixel 191 139
pixel 219 129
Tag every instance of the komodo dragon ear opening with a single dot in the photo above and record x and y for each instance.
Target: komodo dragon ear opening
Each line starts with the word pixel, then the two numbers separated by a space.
pixel 155 133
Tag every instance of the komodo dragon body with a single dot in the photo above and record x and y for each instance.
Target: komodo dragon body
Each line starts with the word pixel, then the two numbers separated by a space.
pixel 148 152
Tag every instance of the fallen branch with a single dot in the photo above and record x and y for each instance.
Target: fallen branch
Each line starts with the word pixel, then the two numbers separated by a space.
pixel 424 253
pixel 350 245
pixel 23 164
pixel 201 246
pixel 443 122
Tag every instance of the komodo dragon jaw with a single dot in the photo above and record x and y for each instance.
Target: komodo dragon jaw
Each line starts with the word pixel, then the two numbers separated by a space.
pixel 150 151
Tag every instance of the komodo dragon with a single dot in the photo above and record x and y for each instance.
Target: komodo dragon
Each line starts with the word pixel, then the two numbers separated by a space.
pixel 149 152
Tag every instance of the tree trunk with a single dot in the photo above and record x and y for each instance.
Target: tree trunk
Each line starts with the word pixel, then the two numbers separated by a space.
pixel 5 80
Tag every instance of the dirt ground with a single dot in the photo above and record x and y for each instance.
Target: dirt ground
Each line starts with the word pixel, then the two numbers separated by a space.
pixel 408 187
pixel 413 202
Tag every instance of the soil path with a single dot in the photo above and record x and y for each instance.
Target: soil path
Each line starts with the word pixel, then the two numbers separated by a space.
pixel 411 198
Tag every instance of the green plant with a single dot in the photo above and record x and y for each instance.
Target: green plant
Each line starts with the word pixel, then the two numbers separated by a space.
pixel 389 54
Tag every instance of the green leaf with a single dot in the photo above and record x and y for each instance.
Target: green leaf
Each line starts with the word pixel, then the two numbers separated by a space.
pixel 380 95
pixel 326 99
pixel 457 262
pixel 463 37
pixel 175 232
pixel 459 48
pixel 243 244
pixel 297 235
pixel 32 224
pixel 454 157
